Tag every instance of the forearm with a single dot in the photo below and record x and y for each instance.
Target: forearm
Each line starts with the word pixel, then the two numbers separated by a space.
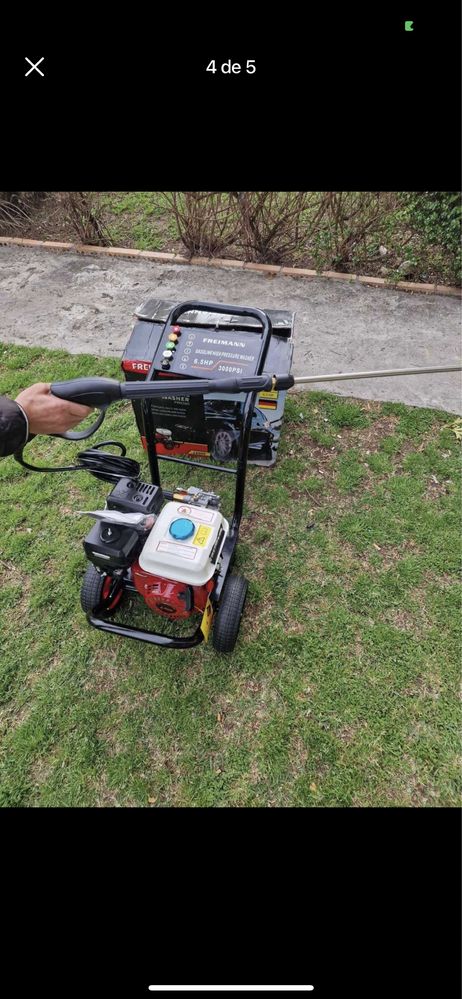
pixel 35 411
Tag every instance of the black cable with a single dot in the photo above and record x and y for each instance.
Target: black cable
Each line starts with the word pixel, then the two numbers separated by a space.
pixel 101 464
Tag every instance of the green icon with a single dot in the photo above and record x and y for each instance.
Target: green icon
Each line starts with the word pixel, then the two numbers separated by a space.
pixel 408 25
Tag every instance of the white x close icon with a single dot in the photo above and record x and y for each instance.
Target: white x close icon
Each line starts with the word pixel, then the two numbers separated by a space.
pixel 34 66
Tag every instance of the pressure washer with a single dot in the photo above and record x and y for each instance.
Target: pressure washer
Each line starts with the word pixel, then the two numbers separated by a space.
pixel 175 549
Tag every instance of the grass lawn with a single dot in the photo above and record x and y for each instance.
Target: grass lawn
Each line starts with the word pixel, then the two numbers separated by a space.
pixel 141 219
pixel 343 690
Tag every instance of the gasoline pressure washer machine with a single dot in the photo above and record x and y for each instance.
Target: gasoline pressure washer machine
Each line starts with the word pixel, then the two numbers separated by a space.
pixel 174 548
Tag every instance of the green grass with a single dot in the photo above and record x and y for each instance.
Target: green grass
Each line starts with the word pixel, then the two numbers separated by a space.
pixel 141 219
pixel 343 689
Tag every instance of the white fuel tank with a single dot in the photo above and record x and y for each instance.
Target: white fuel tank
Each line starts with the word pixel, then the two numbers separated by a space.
pixel 181 542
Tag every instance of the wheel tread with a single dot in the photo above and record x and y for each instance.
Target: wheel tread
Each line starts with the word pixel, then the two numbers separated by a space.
pixel 228 618
pixel 91 589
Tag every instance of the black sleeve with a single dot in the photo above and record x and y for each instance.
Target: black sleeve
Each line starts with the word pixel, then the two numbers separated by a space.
pixel 13 427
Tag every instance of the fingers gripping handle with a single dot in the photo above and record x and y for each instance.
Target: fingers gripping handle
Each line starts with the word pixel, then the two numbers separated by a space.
pixel 95 392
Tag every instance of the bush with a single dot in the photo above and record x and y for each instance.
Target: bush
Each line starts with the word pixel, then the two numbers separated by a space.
pixel 14 213
pixel 277 227
pixel 395 234
pixel 355 221
pixel 262 226
pixel 207 221
pixel 435 218
pixel 83 210
pixel 392 234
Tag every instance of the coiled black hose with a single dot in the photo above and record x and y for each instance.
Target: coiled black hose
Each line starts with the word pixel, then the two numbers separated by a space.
pixel 101 464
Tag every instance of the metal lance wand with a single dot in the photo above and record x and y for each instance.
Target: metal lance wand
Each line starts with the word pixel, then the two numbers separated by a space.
pixel 385 373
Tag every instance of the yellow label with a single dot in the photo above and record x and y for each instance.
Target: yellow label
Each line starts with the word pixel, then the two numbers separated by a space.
pixel 202 535
pixel 269 395
pixel 207 618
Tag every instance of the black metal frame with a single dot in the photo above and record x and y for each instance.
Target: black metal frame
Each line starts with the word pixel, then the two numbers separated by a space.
pixel 228 551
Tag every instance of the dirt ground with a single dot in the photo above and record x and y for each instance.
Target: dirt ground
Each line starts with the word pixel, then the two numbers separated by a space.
pixel 70 301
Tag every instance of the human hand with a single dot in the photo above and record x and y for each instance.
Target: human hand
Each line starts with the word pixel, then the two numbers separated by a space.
pixel 46 413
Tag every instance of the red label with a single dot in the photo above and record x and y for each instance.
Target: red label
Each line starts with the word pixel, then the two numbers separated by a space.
pixel 141 366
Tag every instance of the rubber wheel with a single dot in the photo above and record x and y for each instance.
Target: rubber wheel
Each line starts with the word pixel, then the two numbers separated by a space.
pixel 222 445
pixel 95 587
pixel 228 617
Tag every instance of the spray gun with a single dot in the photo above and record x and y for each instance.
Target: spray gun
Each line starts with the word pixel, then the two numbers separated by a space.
pixel 99 393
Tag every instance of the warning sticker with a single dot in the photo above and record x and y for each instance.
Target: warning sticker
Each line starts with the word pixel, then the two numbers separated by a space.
pixel 174 548
pixel 269 395
pixel 268 400
pixel 202 535
pixel 207 619
pixel 206 516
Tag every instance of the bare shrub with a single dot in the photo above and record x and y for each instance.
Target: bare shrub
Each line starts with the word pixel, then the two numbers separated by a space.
pixel 84 212
pixel 354 224
pixel 22 197
pixel 326 228
pixel 207 221
pixel 277 226
pixel 31 197
pixel 14 216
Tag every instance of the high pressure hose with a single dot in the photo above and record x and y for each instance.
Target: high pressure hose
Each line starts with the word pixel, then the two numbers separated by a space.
pixel 101 464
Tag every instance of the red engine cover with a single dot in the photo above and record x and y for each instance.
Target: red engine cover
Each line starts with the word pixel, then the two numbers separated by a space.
pixel 168 597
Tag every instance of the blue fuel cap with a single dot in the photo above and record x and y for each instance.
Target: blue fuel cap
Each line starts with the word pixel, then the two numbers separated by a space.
pixel 181 529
